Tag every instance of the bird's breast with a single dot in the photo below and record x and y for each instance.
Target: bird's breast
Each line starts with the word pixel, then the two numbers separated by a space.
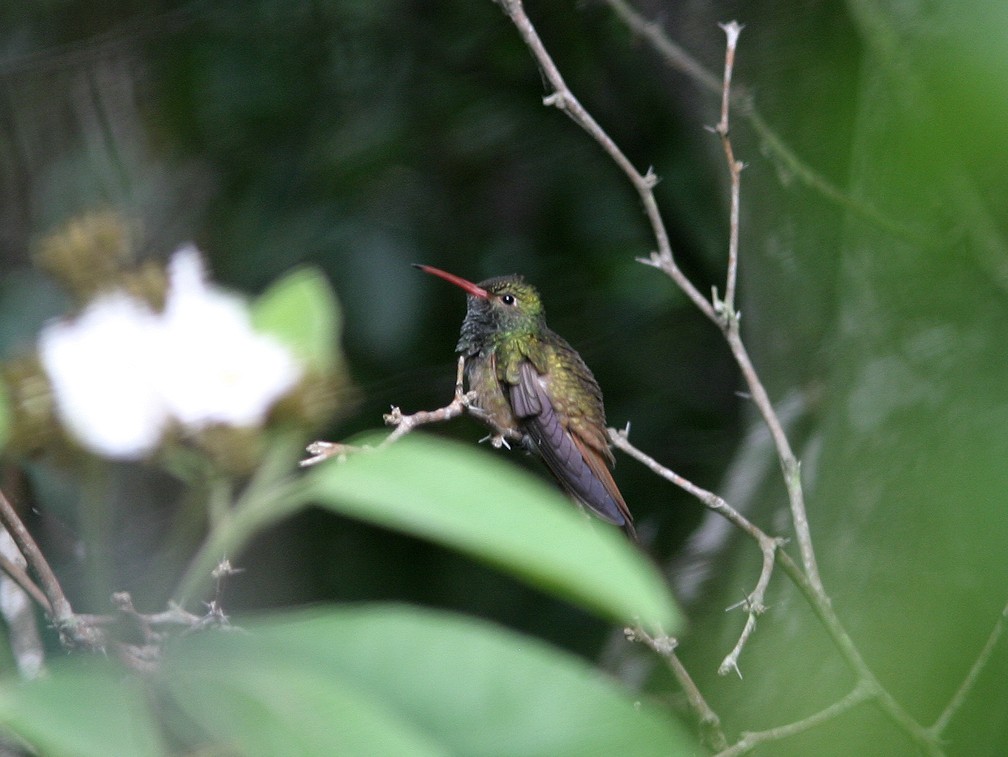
pixel 481 371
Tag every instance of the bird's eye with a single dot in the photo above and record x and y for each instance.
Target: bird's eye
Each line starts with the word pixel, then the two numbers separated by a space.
pixel 508 299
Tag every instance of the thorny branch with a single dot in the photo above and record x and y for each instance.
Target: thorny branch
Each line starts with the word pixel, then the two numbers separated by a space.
pixel 563 99
pixel 59 609
pixel 664 647
pixel 972 677
pixel 97 632
pixel 753 604
pixel 729 322
pixel 752 739
pixel 463 402
pixel 724 315
pixel 678 59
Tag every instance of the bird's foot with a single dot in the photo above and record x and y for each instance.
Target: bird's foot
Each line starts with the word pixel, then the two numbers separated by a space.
pixel 496 441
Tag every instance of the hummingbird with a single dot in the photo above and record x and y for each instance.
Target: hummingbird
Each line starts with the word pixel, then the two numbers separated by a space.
pixel 530 381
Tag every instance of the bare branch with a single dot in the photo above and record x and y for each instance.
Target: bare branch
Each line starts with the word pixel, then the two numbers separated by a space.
pixel 564 99
pixel 406 423
pixel 620 439
pixel 807 580
pixel 173 616
pixel 678 59
pixel 727 308
pixel 790 466
pixel 60 609
pixel 664 647
pixel 154 629
pixel 751 740
pixel 730 323
pixel 16 573
pixel 957 700
pixel 462 403
pixel 754 603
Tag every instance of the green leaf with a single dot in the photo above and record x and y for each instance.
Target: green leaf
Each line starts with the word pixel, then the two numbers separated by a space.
pixel 268 701
pixel 80 710
pixel 301 310
pixel 390 680
pixel 468 499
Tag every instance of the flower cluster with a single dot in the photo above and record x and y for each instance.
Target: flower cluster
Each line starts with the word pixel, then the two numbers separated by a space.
pixel 123 374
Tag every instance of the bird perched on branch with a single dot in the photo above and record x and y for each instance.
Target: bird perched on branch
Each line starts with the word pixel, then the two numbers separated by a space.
pixel 528 380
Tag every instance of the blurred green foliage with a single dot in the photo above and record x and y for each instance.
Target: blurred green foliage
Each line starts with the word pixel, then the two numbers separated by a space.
pixel 344 682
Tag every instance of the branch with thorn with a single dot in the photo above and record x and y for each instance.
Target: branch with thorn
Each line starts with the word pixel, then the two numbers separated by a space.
pixel 723 314
pixel 95 632
pixel 719 312
pixel 754 603
pixel 665 648
pixel 462 403
pixel 676 58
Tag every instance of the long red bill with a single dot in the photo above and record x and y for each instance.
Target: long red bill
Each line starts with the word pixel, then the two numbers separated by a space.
pixel 458 281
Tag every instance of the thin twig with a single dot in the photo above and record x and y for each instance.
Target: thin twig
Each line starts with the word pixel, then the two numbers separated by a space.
pixel 620 439
pixel 806 580
pixel 405 423
pixel 823 609
pixel 321 450
pixel 732 31
pixel 463 402
pixel 665 647
pixel 751 740
pixel 729 319
pixel 60 609
pixel 790 466
pixel 968 684
pixel 563 99
pixel 754 603
pixel 22 579
pixel 677 59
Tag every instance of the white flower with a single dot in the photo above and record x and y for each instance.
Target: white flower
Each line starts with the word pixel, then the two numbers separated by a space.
pixel 215 368
pixel 121 373
pixel 98 366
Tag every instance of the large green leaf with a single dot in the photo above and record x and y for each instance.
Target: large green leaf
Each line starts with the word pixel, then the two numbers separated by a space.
pixel 83 708
pixel 301 310
pixel 391 680
pixel 468 499
pixel 272 700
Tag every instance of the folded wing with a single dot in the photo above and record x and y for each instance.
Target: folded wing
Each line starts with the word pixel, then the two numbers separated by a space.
pixel 578 465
